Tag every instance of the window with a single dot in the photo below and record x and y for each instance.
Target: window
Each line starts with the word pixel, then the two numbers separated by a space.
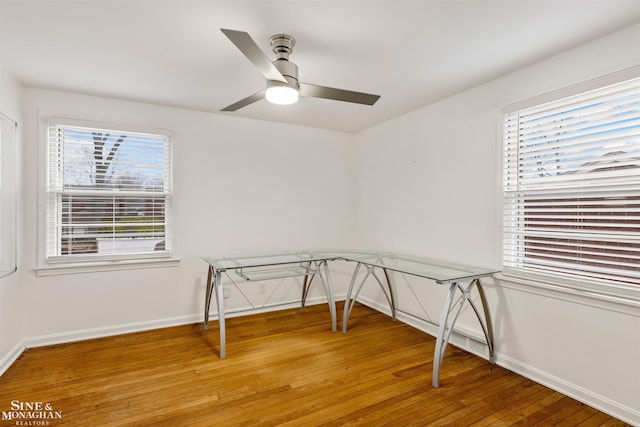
pixel 571 186
pixel 108 193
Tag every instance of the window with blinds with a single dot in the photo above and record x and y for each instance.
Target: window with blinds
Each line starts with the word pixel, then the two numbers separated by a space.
pixel 572 186
pixel 108 194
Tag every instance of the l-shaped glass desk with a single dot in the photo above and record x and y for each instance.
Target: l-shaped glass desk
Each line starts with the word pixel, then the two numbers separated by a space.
pixel 311 264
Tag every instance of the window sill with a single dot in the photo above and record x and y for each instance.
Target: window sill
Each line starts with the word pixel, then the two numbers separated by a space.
pixel 101 266
pixel 623 298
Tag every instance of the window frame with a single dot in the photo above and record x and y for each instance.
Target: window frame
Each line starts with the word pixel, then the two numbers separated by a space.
pixel 617 293
pixel 78 263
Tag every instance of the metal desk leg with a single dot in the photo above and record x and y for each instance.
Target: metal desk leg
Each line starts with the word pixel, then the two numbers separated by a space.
pixel 348 304
pixel 388 293
pixel 487 318
pixel 207 298
pixel 213 283
pixel 220 300
pixel 350 301
pixel 330 297
pixel 441 340
pixel 485 324
pixel 444 331
pixel 392 301
pixel 306 285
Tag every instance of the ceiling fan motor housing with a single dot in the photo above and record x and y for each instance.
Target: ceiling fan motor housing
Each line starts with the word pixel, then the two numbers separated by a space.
pixel 289 70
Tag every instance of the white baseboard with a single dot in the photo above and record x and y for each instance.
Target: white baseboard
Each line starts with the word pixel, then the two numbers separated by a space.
pixel 8 359
pixel 471 341
pixel 85 334
pixel 608 406
pixel 615 409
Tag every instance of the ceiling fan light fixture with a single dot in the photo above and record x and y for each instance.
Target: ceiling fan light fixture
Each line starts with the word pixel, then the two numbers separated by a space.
pixel 281 94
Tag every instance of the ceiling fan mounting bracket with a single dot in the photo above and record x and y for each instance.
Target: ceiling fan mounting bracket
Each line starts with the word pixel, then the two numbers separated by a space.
pixel 282 45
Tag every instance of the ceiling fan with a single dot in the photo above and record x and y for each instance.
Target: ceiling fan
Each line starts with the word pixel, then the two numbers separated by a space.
pixel 283 86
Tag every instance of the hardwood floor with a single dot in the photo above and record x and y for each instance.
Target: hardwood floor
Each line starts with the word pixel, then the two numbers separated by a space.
pixel 282 368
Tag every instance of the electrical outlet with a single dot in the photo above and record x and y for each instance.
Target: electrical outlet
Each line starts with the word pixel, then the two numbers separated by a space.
pixel 262 289
pixel 226 291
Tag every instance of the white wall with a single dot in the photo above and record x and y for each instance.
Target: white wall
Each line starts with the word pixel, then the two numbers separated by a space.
pixel 239 186
pixel 428 184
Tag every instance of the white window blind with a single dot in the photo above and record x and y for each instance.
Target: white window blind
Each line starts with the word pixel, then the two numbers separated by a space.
pixel 572 186
pixel 109 194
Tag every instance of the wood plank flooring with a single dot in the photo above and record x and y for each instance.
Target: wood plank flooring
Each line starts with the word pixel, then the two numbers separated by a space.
pixel 282 368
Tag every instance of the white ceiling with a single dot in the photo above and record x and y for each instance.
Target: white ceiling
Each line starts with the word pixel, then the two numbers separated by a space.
pixel 412 53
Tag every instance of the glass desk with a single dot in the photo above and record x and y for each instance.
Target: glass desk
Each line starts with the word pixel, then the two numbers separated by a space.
pixel 443 274
pixel 459 278
pixel 264 267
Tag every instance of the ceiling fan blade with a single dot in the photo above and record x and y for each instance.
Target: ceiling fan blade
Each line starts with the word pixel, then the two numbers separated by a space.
pixel 250 49
pixel 316 91
pixel 244 102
